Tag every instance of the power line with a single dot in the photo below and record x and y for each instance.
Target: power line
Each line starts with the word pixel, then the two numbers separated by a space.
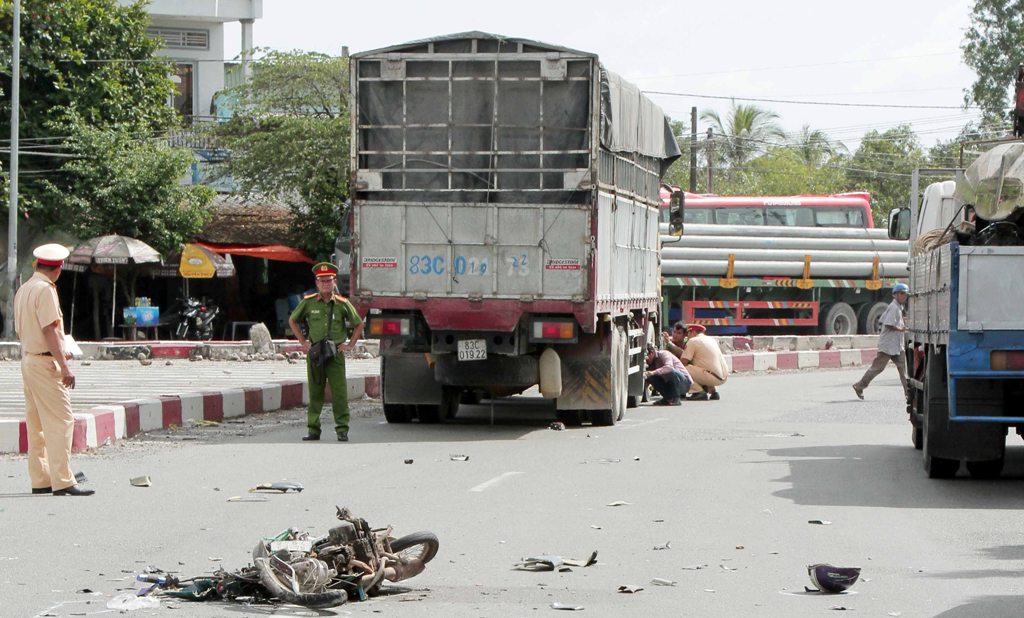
pixel 795 66
pixel 792 102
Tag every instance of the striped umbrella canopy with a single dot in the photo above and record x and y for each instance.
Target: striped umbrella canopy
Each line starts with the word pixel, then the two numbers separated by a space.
pixel 114 249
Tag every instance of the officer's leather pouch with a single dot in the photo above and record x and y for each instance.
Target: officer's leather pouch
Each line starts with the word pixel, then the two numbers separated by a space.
pixel 321 352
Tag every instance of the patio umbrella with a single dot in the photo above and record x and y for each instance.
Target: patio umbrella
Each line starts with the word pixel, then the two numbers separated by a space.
pixel 114 249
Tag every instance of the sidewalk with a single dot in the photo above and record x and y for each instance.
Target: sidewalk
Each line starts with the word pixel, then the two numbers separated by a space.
pixel 117 399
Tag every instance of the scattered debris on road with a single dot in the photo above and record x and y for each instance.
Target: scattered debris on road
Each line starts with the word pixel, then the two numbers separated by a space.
pixel 820 522
pixel 619 503
pixel 557 426
pixel 667 545
pixel 280 486
pixel 459 457
pixel 659 581
pixel 630 589
pixel 141 481
pixel 565 606
pixel 408 461
pixel 551 562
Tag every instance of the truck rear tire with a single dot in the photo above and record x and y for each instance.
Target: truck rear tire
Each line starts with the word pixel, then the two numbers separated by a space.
pixel 869 318
pixel 840 319
pixel 397 413
pixel 619 368
pixel 989 469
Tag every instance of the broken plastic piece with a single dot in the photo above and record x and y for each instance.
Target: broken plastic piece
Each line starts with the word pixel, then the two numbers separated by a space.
pixel 557 426
pixel 630 589
pixel 658 581
pixel 281 486
pixel 408 461
pixel 667 545
pixel 80 477
pixel 141 481
pixel 571 608
pixel 619 503
pixel 828 578
pixel 248 499
pixel 820 522
pixel 459 457
pixel 551 562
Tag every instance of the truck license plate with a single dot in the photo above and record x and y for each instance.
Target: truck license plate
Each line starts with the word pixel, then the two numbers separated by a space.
pixel 472 349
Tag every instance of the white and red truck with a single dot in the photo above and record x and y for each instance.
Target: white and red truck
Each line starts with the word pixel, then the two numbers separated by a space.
pixel 505 202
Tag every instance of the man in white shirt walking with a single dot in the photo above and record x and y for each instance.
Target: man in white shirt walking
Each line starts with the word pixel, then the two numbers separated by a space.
pixel 890 342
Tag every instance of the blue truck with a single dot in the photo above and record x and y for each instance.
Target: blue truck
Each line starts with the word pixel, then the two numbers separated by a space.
pixel 965 314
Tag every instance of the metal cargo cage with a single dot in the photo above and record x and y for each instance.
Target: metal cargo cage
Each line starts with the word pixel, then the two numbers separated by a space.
pixel 481 118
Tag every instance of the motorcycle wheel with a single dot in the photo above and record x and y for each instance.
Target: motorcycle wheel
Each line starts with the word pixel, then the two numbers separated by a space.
pixel 280 588
pixel 419 545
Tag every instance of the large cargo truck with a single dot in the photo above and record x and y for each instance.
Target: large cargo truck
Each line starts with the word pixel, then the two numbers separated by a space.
pixel 505 202
pixel 965 319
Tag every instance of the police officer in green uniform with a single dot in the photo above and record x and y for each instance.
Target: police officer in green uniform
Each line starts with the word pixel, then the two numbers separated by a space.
pixel 322 310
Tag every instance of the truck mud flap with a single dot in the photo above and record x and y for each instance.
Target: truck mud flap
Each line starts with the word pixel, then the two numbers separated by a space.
pixel 586 384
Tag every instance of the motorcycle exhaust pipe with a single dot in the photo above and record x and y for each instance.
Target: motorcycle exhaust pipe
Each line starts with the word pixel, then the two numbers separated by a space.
pixel 404 570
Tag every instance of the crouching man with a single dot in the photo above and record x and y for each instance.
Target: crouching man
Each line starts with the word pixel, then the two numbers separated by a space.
pixel 703 359
pixel 667 375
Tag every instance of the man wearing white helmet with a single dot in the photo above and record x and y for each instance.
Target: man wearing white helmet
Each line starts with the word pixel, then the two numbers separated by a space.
pixel 47 377
pixel 890 342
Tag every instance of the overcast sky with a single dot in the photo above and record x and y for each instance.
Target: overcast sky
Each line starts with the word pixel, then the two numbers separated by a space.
pixel 881 52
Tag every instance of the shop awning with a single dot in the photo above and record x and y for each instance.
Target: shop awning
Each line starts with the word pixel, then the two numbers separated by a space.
pixel 281 253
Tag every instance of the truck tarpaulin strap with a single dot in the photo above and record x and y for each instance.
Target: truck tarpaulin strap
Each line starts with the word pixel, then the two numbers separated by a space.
pixel 280 253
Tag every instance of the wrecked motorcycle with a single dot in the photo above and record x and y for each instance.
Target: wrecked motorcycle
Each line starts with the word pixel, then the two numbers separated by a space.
pixel 351 561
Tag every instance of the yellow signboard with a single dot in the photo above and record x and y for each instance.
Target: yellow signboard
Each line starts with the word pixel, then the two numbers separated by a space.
pixel 195 263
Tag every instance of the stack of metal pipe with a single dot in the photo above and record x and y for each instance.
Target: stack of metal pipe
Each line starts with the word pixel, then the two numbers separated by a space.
pixel 779 251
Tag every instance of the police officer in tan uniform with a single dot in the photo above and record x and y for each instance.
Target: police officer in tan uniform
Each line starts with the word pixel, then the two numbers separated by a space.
pixel 39 324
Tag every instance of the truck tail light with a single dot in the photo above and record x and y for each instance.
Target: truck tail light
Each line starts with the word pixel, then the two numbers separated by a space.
pixel 390 327
pixel 1007 360
pixel 553 330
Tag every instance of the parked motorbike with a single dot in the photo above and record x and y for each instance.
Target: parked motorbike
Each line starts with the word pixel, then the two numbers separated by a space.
pixel 196 319
pixel 351 561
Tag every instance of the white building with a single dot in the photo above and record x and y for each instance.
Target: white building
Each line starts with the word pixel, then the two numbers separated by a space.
pixel 193 35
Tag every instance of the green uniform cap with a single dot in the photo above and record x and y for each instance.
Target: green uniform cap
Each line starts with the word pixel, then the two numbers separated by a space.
pixel 325 269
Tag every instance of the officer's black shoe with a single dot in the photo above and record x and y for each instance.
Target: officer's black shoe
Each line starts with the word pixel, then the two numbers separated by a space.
pixel 343 436
pixel 313 437
pixel 702 396
pixel 715 396
pixel 42 490
pixel 74 490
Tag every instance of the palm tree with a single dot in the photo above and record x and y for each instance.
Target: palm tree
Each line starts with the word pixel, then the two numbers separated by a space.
pixel 748 129
pixel 814 146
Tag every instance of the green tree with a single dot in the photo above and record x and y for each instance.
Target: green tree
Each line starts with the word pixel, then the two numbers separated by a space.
pixel 746 131
pixel 882 166
pixel 783 171
pixel 947 153
pixel 289 140
pixel 814 147
pixel 993 46
pixel 119 182
pixel 90 59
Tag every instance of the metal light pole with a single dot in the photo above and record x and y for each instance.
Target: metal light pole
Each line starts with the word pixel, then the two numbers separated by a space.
pixel 12 215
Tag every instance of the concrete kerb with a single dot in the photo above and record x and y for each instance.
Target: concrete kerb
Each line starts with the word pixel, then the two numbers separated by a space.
pixel 104 424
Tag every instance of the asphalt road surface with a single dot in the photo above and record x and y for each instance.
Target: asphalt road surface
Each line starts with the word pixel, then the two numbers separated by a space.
pixel 726 488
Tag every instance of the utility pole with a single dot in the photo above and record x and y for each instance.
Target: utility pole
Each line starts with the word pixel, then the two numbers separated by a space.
pixel 12 210
pixel 693 149
pixel 711 160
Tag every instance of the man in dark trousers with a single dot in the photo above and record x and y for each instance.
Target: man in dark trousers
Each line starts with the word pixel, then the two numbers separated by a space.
pixel 890 342
pixel 667 375
pixel 47 377
pixel 333 324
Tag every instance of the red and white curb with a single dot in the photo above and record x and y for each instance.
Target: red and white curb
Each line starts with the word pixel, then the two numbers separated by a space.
pixel 811 359
pixel 103 424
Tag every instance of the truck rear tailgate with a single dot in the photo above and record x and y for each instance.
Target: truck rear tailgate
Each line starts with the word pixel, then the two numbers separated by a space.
pixel 473 250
